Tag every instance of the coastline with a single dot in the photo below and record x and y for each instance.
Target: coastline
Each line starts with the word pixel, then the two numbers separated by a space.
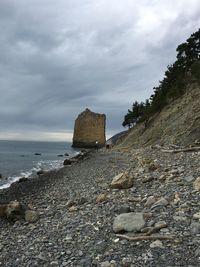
pixel 20 189
pixel 77 207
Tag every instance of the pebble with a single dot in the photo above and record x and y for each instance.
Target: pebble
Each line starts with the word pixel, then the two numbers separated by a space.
pixel 84 237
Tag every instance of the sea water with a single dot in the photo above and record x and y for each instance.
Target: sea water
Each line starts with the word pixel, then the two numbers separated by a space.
pixel 25 158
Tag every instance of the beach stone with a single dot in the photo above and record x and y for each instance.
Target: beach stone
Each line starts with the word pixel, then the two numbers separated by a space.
pixel 156 244
pixel 67 162
pixel 122 181
pixel 161 202
pixel 196 184
pixel 196 215
pixel 130 222
pixel 123 209
pixel 31 216
pixel 101 198
pixel 189 178
pixel 15 211
pixel 150 201
pixel 195 227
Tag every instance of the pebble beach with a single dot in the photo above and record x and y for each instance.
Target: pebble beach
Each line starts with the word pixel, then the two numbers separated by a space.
pixel 77 208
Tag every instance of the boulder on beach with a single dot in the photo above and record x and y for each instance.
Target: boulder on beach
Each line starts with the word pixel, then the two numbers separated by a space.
pixel 15 211
pixel 122 181
pixel 129 222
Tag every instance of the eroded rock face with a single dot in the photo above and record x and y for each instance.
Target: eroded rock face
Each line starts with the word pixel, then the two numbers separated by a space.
pixel 89 130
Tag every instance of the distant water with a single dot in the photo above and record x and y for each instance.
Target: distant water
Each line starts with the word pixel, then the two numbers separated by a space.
pixel 18 158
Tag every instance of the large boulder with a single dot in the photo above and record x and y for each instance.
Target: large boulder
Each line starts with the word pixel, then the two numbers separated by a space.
pixel 89 130
pixel 122 181
pixel 15 211
pixel 129 222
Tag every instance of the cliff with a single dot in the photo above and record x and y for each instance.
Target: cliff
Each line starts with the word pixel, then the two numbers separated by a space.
pixel 89 130
pixel 177 123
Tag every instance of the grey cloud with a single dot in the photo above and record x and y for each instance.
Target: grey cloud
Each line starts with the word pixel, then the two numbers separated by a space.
pixel 59 57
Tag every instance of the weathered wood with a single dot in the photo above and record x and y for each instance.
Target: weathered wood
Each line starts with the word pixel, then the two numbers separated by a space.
pixel 189 149
pixel 145 237
pixel 155 229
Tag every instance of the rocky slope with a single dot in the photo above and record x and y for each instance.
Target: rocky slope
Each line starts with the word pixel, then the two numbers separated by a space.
pixel 177 123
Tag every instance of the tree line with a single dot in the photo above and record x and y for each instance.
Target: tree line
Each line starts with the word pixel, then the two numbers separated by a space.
pixel 185 70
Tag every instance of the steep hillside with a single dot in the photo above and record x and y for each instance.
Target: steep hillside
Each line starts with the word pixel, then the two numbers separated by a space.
pixel 177 123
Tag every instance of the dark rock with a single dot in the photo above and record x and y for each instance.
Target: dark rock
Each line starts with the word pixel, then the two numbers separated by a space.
pixel 66 154
pixel 123 209
pixel 40 172
pixel 37 154
pixel 60 155
pixel 130 222
pixel 22 180
pixel 15 211
pixel 67 162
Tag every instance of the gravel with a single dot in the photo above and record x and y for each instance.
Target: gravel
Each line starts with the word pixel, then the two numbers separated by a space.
pixel 74 229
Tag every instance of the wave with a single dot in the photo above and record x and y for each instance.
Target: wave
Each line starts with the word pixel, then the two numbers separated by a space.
pixel 43 165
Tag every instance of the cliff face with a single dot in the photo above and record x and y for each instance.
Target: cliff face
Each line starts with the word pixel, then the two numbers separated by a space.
pixel 177 123
pixel 89 130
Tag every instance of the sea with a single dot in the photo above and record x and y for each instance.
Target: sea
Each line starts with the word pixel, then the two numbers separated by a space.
pixel 25 158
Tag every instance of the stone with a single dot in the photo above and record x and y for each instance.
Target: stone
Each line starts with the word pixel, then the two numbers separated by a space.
pixel 105 264
pixel 161 202
pixel 15 211
pixel 196 184
pixel 156 244
pixel 197 215
pixel 122 181
pixel 123 209
pixel 189 178
pixel 31 216
pixel 129 222
pixel 195 227
pixel 153 166
pixel 101 198
pixel 67 162
pixel 150 201
pixel 89 130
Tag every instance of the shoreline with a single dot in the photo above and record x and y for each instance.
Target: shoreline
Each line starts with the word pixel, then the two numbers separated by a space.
pixel 77 207
pixel 24 186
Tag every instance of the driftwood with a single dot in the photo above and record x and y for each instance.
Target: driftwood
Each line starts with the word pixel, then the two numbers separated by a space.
pixel 145 237
pixel 189 149
pixel 155 229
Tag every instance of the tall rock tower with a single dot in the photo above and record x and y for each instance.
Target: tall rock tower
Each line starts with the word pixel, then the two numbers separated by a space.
pixel 89 130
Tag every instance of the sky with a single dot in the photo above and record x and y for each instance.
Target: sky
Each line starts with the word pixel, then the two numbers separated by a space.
pixel 58 58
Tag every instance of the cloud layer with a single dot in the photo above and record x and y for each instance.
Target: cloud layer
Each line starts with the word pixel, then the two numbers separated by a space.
pixel 59 57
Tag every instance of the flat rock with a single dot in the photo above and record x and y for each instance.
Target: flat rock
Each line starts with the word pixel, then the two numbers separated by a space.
pixel 129 222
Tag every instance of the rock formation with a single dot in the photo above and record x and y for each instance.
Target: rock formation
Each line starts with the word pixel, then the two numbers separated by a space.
pixel 89 130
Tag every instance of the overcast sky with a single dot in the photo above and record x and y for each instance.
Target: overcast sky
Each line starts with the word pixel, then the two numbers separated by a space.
pixel 59 57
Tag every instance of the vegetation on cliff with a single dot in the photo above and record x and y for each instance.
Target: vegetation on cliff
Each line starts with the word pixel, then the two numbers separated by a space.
pixel 184 71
